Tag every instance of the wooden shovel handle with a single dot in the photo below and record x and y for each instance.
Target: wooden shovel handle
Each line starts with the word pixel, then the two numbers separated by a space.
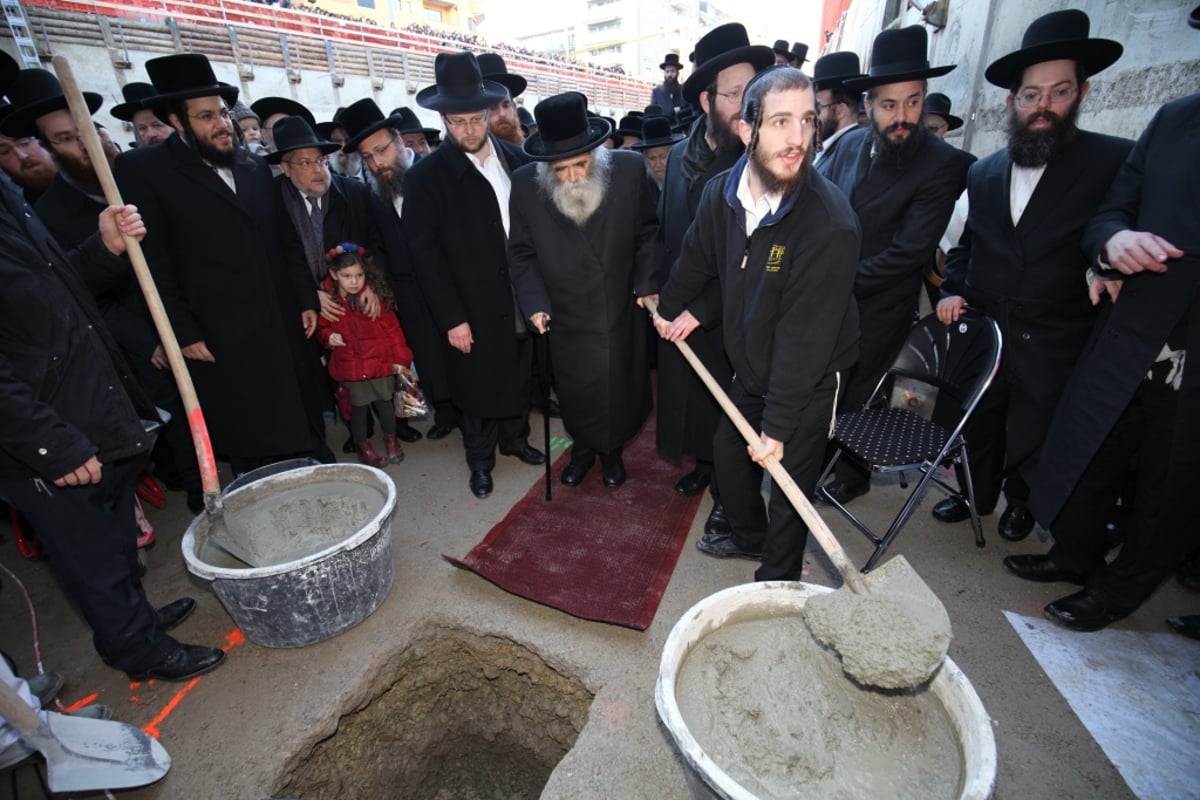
pixel 16 711
pixel 816 524
pixel 166 334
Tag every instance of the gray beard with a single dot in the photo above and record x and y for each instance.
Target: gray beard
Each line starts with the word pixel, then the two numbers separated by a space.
pixel 348 165
pixel 389 189
pixel 578 201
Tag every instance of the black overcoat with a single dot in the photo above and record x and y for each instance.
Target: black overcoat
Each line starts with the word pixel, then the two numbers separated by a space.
pixel 587 278
pixel 219 261
pixel 459 249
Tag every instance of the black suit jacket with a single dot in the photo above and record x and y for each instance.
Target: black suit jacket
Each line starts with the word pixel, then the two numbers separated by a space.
pixel 460 254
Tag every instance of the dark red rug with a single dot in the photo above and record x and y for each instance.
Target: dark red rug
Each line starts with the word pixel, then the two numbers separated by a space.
pixel 595 553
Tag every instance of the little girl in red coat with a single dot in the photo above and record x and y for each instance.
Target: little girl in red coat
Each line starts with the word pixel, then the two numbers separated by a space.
pixel 365 353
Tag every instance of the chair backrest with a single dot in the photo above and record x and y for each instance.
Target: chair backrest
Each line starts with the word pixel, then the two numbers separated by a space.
pixel 943 370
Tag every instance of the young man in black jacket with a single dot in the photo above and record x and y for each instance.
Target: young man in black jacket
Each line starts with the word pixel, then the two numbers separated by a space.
pixel 783 243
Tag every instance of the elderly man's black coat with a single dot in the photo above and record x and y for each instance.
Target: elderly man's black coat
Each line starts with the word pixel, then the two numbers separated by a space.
pixel 587 278
pixel 460 251
pixel 219 261
pixel 903 211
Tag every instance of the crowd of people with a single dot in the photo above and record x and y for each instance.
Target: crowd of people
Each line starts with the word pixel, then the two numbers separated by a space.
pixel 787 239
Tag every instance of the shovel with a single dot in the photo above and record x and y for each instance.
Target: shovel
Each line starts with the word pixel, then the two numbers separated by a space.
pixel 218 532
pixel 890 629
pixel 86 755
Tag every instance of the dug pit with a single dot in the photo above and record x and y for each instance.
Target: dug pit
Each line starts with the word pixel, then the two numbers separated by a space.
pixel 460 715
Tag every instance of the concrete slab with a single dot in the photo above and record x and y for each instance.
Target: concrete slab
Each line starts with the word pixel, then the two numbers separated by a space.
pixel 233 733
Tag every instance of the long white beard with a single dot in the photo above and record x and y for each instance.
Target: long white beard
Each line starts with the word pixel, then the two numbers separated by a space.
pixel 346 164
pixel 578 201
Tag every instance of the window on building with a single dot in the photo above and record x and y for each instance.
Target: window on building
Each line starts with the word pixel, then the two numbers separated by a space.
pixel 433 15
pixel 608 51
pixel 607 26
pixel 366 3
pixel 892 9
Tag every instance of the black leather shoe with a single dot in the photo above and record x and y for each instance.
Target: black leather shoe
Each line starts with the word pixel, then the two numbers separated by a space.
pixel 195 502
pixel 694 482
pixel 1085 610
pixel 1188 626
pixel 1042 569
pixel 723 546
pixel 174 613
pixel 528 454
pixel 574 471
pixel 348 445
pixel 551 409
pixel 717 523
pixel 1015 523
pixel 613 470
pixel 186 661
pixel 952 509
pixel 407 433
pixel 844 491
pixel 481 482
pixel 439 432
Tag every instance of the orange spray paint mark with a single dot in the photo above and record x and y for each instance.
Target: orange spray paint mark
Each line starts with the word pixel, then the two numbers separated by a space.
pixel 78 704
pixel 232 639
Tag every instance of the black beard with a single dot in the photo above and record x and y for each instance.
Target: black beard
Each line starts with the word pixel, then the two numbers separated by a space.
pixel 898 154
pixel 218 158
pixel 772 183
pixel 1029 148
pixel 670 81
pixel 388 189
pixel 724 135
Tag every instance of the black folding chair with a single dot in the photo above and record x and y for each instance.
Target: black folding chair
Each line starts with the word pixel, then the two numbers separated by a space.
pixel 916 415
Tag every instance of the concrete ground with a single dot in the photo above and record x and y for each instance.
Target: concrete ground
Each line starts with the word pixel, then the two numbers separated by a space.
pixel 237 730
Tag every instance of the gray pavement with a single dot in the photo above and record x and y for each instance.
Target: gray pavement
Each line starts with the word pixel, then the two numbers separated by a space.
pixel 236 732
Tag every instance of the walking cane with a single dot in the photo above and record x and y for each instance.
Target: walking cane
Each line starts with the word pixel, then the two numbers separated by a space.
pixel 543 356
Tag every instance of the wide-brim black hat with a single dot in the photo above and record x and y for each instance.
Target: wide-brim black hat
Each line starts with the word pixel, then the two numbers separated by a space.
pixel 34 93
pixel 781 47
pixel 723 46
pixel 898 56
pixel 268 107
pixel 939 104
pixel 362 119
pixel 183 77
pixel 294 133
pixel 1054 36
pixel 671 60
pixel 8 71
pixel 832 70
pixel 138 97
pixel 798 53
pixel 657 132
pixel 459 87
pixel 1194 17
pixel 326 129
pixel 410 123
pixel 629 125
pixel 565 129
pixel 493 68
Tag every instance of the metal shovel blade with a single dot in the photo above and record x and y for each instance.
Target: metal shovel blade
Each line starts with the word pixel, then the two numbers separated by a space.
pixel 91 755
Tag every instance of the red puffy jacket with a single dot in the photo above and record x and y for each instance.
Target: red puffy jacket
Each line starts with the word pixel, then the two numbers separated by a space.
pixel 372 345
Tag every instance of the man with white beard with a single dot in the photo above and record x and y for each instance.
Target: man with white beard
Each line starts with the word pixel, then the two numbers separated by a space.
pixel 583 248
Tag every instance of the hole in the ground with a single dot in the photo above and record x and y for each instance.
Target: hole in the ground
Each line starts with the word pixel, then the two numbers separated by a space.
pixel 468 717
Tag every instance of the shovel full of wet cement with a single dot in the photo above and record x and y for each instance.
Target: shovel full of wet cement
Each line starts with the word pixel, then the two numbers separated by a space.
pixel 888 626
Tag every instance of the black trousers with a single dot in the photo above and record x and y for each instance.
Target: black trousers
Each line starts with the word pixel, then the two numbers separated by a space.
pixel 482 435
pixel 90 536
pixel 775 528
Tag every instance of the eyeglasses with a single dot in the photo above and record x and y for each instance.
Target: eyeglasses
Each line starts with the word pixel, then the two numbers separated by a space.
pixel 1029 98
pixel 466 122
pixel 376 154
pixel 208 117
pixel 22 144
pixel 309 163
pixel 735 96
pixel 65 139
pixel 822 106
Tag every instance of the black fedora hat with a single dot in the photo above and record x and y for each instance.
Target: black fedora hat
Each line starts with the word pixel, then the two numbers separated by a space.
pixel 8 70
pixel 34 93
pixel 362 119
pixel 183 77
pixel 493 68
pixel 722 47
pixel 832 70
pixel 564 128
pixel 407 122
pixel 657 132
pixel 798 54
pixel 781 47
pixel 897 56
pixel 459 87
pixel 294 133
pixel 326 129
pixel 630 125
pixel 671 60
pixel 268 107
pixel 1054 36
pixel 1194 17
pixel 138 97
pixel 939 104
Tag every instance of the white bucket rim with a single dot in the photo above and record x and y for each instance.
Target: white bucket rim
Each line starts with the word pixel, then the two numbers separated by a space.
pixel 979 767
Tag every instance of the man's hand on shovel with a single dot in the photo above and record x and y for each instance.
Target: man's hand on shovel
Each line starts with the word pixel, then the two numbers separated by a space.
pixel 117 222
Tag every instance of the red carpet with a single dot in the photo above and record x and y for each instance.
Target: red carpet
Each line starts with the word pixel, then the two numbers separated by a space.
pixel 595 553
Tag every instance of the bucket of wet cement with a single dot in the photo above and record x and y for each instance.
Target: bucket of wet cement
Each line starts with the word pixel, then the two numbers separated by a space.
pixel 759 709
pixel 324 537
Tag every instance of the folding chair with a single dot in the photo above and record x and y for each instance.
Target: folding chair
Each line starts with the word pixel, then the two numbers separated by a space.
pixel 915 417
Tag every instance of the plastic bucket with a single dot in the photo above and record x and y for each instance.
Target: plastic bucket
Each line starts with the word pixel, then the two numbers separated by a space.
pixel 342 514
pixel 706 780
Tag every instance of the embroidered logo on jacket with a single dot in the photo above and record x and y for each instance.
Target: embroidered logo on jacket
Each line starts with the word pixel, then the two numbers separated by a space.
pixel 775 258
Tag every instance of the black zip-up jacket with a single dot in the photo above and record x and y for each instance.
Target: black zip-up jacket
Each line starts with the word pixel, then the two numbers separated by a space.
pixel 787 291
